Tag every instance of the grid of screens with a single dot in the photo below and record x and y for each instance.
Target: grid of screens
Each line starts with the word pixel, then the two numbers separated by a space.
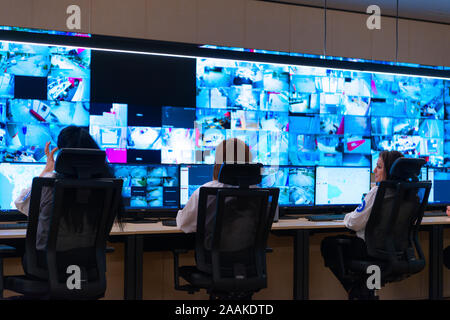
pixel 293 118
pixel 170 186
pixel 296 184
pixel 150 186
pixel 42 90
pixel 295 115
pixel 288 115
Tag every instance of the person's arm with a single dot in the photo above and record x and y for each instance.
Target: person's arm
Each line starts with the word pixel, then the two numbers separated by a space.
pixel 22 202
pixel 50 164
pixel 357 219
pixel 448 211
pixel 187 217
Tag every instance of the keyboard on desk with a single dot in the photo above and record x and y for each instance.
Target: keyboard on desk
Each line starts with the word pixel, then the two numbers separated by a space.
pixel 326 217
pixel 10 226
pixel 435 214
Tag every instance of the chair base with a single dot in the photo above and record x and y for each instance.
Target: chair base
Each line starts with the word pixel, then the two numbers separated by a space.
pixel 199 280
pixel 231 296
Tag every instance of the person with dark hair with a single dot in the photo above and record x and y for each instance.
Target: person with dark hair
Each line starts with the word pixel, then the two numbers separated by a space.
pixel 69 137
pixel 232 149
pixel 357 221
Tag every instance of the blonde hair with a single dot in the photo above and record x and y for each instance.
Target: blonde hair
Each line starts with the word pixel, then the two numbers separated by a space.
pixel 231 151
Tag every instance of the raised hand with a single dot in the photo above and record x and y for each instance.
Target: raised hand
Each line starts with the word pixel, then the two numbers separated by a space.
pixel 50 165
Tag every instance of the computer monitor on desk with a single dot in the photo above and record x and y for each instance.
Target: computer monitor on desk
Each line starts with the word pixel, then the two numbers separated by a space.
pixel 149 190
pixel 192 177
pixel 296 185
pixel 341 186
pixel 423 174
pixel 14 177
pixel 439 193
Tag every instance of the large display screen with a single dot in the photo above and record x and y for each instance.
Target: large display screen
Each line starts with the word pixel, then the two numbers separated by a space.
pixel 42 90
pixel 171 112
pixel 15 177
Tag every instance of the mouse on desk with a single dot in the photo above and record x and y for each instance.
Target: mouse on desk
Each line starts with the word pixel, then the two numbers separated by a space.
pixel 169 223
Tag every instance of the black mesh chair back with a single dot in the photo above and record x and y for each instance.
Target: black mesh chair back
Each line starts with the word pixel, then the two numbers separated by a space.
pixel 232 229
pixel 391 233
pixel 83 201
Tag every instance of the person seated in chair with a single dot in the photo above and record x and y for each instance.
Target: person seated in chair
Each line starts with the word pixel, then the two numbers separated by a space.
pixel 356 221
pixel 187 217
pixel 69 137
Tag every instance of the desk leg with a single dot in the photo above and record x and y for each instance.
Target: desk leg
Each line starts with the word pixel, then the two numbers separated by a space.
pixel 130 268
pixel 139 256
pixel 436 262
pixel 301 265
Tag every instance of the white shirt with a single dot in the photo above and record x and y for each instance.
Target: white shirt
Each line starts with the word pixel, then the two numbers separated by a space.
pixel 187 217
pixel 22 202
pixel 357 220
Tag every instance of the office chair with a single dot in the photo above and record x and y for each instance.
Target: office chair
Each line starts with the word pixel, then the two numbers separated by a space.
pixel 83 207
pixel 391 233
pixel 233 225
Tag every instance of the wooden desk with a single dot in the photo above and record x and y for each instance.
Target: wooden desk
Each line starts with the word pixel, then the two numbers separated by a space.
pixel 303 228
pixel 300 229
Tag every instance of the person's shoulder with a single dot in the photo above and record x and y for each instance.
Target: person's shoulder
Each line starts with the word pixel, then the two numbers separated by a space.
pixel 374 190
pixel 213 184
pixel 49 175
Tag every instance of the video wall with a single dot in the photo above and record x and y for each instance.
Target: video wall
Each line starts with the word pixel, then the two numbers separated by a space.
pixel 42 90
pixel 294 115
pixel 154 114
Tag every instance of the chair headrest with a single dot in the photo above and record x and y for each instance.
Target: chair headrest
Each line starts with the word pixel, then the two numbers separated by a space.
pixel 406 169
pixel 80 163
pixel 243 175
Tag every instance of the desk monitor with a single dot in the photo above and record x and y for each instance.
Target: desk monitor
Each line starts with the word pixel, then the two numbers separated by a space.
pixel 439 193
pixel 14 177
pixel 148 187
pixel 193 177
pixel 341 185
pixel 296 184
pixel 423 174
